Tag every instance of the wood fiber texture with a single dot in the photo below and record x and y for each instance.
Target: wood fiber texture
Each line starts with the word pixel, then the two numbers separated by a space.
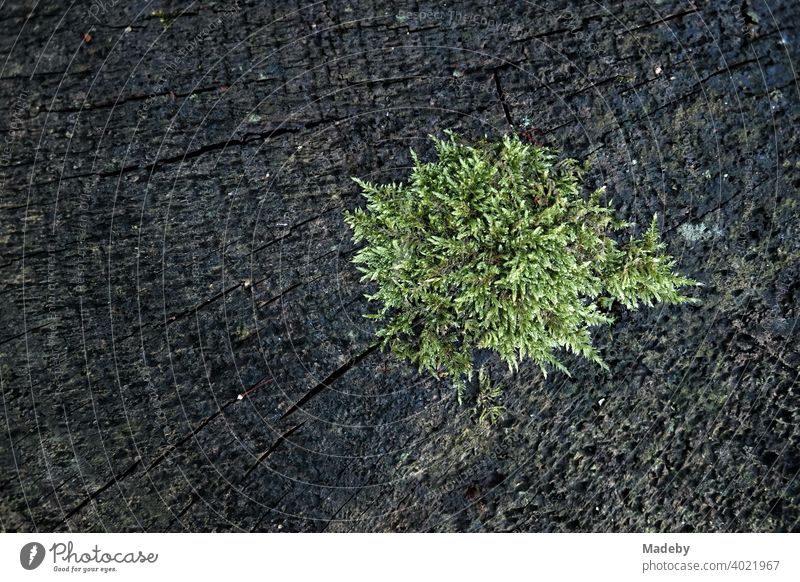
pixel 171 236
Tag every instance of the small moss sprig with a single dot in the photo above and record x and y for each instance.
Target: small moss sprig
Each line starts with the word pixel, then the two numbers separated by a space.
pixel 496 246
pixel 488 409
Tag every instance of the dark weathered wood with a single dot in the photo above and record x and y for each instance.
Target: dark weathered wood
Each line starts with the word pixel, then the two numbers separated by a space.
pixel 172 237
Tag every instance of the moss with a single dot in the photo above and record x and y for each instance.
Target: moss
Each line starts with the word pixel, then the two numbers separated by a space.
pixel 496 246
pixel 488 409
pixel 165 18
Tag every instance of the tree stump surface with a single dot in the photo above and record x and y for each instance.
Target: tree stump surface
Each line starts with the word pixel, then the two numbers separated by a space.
pixel 173 182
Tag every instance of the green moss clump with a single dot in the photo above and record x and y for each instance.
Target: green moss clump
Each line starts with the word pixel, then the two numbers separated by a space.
pixel 496 246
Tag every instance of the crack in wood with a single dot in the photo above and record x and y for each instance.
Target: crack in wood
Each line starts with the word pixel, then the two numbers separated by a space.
pixel 665 19
pixel 271 450
pixel 92 496
pixel 330 379
pixel 506 109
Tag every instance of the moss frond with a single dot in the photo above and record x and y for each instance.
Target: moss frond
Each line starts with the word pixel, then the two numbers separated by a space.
pixel 496 245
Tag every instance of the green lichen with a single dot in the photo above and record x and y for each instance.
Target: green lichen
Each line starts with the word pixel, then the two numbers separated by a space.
pixel 698 232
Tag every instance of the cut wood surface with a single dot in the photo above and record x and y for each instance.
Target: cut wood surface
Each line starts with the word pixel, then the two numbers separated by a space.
pixel 182 346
